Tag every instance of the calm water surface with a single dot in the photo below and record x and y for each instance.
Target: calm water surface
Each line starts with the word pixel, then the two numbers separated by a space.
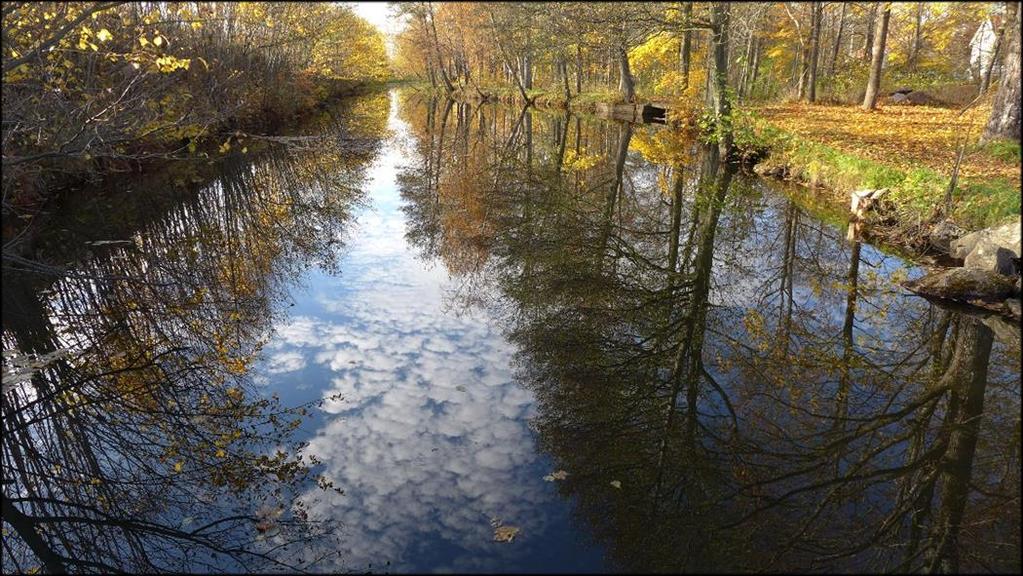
pixel 439 324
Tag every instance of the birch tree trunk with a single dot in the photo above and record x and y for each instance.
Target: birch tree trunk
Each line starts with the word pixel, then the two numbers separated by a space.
pixel 1005 111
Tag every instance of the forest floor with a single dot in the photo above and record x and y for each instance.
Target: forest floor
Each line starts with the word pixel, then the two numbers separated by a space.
pixel 905 137
pixel 910 149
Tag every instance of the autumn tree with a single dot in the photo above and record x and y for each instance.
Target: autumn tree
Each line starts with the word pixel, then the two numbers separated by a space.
pixel 94 87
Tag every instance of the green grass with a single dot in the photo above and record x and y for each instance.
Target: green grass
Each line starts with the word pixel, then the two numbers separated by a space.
pixel 590 97
pixel 982 204
pixel 1005 150
pixel 915 193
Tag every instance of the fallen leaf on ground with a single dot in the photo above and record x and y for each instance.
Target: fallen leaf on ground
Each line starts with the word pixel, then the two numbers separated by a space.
pixel 616 484
pixel 559 475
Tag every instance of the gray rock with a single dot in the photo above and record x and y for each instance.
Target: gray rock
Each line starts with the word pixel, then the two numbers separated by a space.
pixel 1005 330
pixel 998 259
pixel 992 249
pixel 963 285
pixel 1013 305
pixel 920 98
pixel 943 234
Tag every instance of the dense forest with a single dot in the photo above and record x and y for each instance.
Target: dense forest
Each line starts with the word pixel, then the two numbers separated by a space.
pixel 917 97
pixel 812 51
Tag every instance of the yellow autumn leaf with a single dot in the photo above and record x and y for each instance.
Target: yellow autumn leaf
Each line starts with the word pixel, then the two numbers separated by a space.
pixel 158 40
pixel 104 35
pixel 221 453
pixel 179 466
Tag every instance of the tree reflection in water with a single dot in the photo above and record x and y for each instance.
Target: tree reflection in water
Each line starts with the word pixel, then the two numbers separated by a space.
pixel 137 442
pixel 763 392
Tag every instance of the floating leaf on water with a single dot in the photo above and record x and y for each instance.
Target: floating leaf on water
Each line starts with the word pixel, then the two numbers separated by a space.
pixel 559 475
pixel 505 533
pixel 616 484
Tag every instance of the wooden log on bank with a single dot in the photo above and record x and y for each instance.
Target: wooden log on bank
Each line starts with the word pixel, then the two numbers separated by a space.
pixel 643 112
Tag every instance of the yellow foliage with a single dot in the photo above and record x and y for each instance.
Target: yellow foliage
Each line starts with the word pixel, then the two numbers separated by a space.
pixel 662 146
pixel 580 162
pixel 660 50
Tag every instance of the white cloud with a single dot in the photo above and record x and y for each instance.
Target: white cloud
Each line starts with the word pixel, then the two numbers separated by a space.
pixel 431 439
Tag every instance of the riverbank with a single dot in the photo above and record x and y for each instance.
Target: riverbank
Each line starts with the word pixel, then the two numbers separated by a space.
pixel 150 154
pixel 111 206
pixel 835 150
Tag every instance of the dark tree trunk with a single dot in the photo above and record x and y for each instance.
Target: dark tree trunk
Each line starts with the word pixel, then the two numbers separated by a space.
pixel 527 71
pixel 431 73
pixel 968 383
pixel 868 42
pixel 626 83
pixel 440 60
pixel 817 10
pixel 578 69
pixel 719 16
pixel 877 60
pixel 563 66
pixel 686 50
pixel 757 47
pixel 838 41
pixel 676 219
pixel 914 51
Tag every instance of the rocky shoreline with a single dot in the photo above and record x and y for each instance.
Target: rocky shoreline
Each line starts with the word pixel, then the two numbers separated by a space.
pixel 989 278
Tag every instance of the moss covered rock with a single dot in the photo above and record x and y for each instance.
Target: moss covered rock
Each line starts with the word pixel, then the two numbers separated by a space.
pixel 963 285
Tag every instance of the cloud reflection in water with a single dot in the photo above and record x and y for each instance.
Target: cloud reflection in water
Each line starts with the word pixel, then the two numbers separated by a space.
pixel 431 438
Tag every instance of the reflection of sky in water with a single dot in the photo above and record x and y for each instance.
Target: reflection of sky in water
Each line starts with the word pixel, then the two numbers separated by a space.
pixel 431 439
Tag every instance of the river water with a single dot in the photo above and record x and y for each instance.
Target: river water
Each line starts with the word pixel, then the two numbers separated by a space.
pixel 424 336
